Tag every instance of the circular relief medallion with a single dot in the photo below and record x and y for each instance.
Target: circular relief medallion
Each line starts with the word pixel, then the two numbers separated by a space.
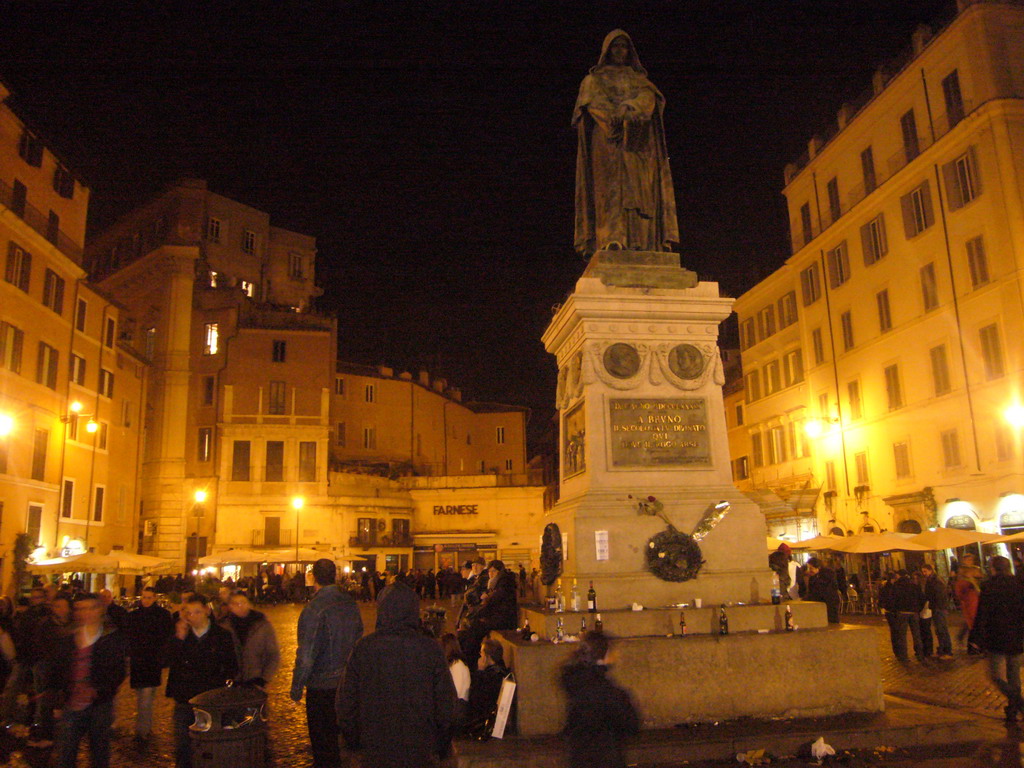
pixel 622 361
pixel 686 361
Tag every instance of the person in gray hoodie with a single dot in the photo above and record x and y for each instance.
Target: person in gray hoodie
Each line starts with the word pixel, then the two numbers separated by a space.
pixel 329 626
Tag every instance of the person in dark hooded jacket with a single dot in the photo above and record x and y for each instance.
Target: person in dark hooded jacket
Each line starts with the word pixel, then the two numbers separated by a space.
pixel 599 715
pixel 396 702
pixel 999 626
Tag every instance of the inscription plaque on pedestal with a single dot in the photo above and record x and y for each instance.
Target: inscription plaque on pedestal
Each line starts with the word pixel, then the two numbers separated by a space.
pixel 649 432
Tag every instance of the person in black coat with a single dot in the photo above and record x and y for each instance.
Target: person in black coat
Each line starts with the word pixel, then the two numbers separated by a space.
pixel 906 600
pixel 599 715
pixel 396 702
pixel 148 628
pixel 999 628
pixel 201 657
pixel 485 687
pixel 87 667
pixel 498 609
pixel 821 587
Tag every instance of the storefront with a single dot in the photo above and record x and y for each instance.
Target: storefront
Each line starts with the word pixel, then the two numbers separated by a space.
pixel 452 548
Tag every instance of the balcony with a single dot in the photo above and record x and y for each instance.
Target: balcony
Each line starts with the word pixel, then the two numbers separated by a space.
pixel 41 224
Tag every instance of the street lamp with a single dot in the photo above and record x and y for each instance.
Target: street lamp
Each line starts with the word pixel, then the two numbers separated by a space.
pixel 1015 415
pixel 6 424
pixel 297 503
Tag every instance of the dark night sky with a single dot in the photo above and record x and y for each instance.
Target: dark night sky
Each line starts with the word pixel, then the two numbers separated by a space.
pixel 427 145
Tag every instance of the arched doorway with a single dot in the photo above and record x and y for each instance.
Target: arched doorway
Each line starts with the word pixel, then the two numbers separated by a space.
pixel 912 560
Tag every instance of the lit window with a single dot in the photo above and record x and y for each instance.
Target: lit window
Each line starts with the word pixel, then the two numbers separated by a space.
pixel 106 382
pixel 46 366
pixel 917 211
pixel 787 310
pixel 19 267
pixel 212 339
pixel 12 339
pixel 963 182
pixel 249 241
pixel 752 386
pixel 78 369
pixel 53 291
pixel 838 265
pixel 872 238
pixel 369 438
pixel 249 289
pixel 810 284
pixel 213 230
pixel 500 435
pixel 766 322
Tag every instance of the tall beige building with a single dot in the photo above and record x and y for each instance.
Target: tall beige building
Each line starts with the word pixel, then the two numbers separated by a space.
pixel 71 381
pixel 882 362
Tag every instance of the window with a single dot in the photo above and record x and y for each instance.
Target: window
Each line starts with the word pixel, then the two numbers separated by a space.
pixel 67 498
pixel 810 284
pixel 46 366
pixel 276 398
pixel 126 412
pixel 63 182
pixel 853 391
pixel 40 440
pixel 805 222
pixel 739 415
pixel 777 445
pixel 99 495
pixel 204 447
pixel 976 262
pixel 884 315
pixel 846 321
pixel 917 210
pixel 838 265
pixel 277 354
pixel 4 444
pixel 12 339
pixel 940 370
pixel 893 390
pixel 508 465
pixel 953 98
pixel 908 127
pixel 212 278
pixel 150 343
pixel 274 470
pixel 30 149
pixel 102 435
pixel 369 438
pixel 339 386
pixel 1004 443
pixel 53 291
pixel 78 369
pixel 872 238
pixel 499 435
pixel 53 227
pixel 766 322
pixel 823 410
pixel 34 524
pixel 249 241
pixel 793 367
pixel 72 428
pixel 752 386
pixel 991 352
pixel 757 449
pixel 817 346
pixel 106 383
pixel 748 337
pixel 211 339
pixel 834 208
pixel 787 310
pixel 901 459
pixel 370 393
pixel 929 288
pixel 963 182
pixel 19 267
pixel 867 165
pixel 741 468
pixel 240 460
pixel 830 475
pixel 772 377
pixel 249 289
pixel 213 230
pixel 109 332
pixel 860 462
pixel 209 387
pixel 19 199
pixel 798 444
pixel 340 434
pixel 81 308
pixel 950 449
pixel 295 271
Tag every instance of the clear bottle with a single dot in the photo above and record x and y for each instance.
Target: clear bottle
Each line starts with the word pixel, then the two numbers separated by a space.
pixel 583 626
pixel 574 597
pixel 598 624
pixel 723 622
pixel 592 599
pixel 559 630
pixel 776 591
pixel 559 598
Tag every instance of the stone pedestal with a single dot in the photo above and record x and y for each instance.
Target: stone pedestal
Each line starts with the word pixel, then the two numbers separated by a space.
pixel 640 405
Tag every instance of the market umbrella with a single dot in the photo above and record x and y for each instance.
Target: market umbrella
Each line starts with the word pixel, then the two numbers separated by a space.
pixel 129 561
pixel 870 543
pixel 774 543
pixel 234 557
pixel 818 542
pixel 951 538
pixel 1008 539
pixel 87 562
pixel 289 555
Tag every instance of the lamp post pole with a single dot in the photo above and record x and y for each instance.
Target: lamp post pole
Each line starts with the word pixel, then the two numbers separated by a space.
pixel 297 503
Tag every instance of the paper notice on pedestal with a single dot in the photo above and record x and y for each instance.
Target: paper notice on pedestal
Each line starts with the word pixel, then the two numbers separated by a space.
pixel 601 544
pixel 565 546
pixel 508 689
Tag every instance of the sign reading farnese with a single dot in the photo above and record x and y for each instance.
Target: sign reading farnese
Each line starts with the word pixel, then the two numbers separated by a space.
pixel 659 432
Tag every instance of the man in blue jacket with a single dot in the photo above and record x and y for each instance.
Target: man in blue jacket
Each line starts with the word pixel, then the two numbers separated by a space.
pixel 329 626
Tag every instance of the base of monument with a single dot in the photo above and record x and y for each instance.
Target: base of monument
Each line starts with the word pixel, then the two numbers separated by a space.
pixel 704 678
pixel 658 622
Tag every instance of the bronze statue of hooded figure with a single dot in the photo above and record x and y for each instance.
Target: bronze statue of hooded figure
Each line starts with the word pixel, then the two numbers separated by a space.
pixel 624 194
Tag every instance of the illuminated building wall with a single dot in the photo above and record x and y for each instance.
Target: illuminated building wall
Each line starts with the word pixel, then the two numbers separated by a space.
pixel 879 362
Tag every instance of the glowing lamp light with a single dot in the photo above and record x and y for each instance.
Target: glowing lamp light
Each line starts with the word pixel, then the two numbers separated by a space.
pixel 199 496
pixel 6 424
pixel 75 407
pixel 1015 415
pixel 346 569
pixel 92 426
pixel 298 502
pixel 814 428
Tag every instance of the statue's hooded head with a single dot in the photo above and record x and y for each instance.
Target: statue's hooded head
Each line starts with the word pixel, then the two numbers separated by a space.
pixel 608 56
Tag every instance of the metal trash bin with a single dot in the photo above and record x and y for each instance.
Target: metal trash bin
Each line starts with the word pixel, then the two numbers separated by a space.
pixel 230 728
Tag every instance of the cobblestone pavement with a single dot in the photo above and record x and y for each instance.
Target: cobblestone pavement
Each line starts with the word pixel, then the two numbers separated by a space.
pixel 959 684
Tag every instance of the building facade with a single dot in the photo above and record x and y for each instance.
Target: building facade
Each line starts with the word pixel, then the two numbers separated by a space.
pixel 882 362
pixel 72 384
